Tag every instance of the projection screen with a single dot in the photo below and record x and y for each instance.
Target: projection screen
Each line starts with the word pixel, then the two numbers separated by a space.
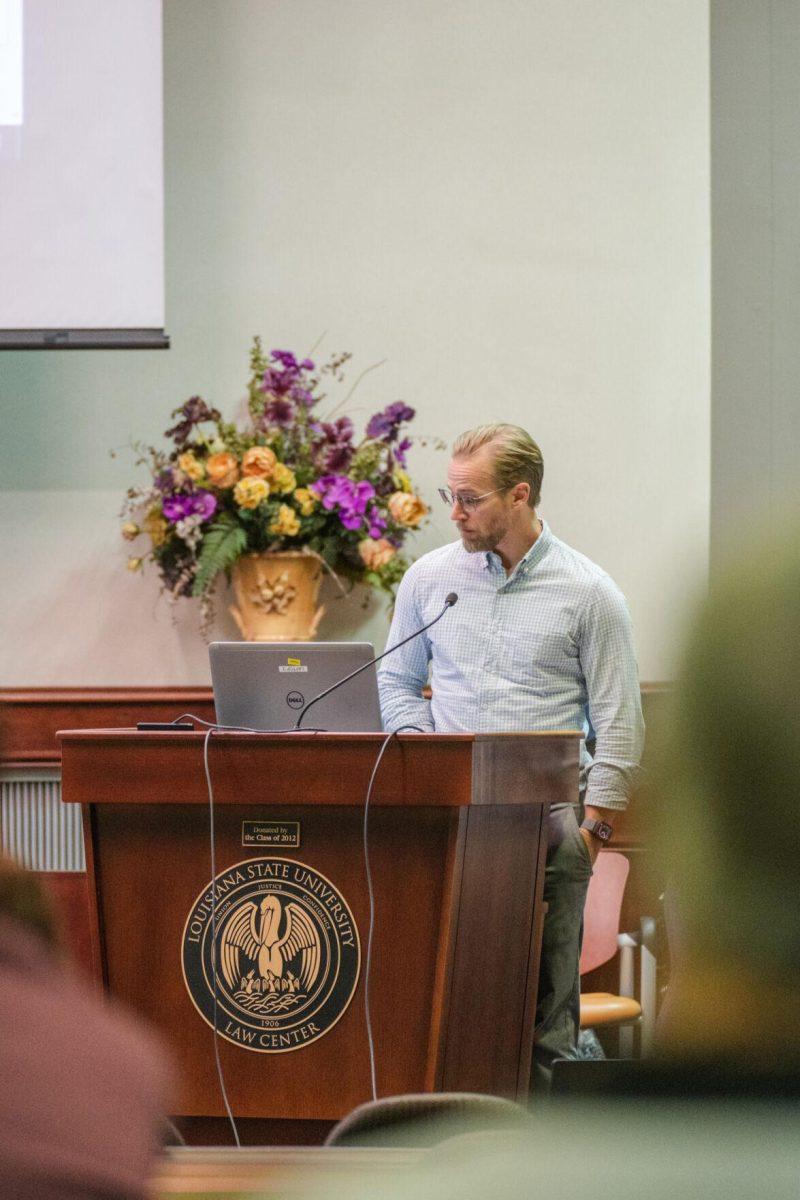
pixel 81 174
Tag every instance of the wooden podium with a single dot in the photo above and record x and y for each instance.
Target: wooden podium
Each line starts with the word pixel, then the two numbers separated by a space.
pixel 456 839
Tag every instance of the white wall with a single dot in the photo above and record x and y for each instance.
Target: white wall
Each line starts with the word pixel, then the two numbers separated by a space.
pixel 507 200
pixel 755 139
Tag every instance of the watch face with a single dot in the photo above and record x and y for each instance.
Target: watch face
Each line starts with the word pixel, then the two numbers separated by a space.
pixel 599 829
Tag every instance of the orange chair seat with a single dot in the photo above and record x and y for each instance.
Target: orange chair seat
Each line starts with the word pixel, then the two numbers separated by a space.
pixel 603 1008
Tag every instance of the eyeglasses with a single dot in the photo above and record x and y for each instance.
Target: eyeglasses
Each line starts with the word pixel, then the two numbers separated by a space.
pixel 468 503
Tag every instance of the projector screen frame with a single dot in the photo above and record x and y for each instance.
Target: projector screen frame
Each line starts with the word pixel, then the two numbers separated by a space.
pixel 84 339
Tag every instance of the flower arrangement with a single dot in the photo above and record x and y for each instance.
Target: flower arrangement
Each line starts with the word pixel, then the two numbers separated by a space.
pixel 289 480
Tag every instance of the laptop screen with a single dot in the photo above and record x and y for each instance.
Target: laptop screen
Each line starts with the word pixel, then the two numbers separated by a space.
pixel 265 685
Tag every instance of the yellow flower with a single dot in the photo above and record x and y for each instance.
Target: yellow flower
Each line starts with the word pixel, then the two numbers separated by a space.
pixel 249 492
pixel 406 509
pixel 287 524
pixel 222 469
pixel 307 501
pixel 155 525
pixel 376 553
pixel 134 564
pixel 130 531
pixel 282 479
pixel 401 479
pixel 190 466
pixel 258 461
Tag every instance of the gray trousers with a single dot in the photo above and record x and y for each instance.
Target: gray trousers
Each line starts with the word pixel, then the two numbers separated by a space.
pixel 567 876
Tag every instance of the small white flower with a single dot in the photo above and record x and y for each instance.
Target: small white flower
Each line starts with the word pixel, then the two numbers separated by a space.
pixel 188 530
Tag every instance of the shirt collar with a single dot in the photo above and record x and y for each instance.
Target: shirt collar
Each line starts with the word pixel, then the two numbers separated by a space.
pixel 529 560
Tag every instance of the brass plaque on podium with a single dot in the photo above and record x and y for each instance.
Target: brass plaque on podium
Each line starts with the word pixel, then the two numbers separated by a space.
pixel 270 833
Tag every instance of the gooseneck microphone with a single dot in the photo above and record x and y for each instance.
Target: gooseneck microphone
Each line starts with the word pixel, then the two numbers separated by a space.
pixel 448 603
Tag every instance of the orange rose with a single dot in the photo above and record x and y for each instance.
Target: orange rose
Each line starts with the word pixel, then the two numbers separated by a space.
pixel 406 509
pixel 376 553
pixel 258 461
pixel 222 469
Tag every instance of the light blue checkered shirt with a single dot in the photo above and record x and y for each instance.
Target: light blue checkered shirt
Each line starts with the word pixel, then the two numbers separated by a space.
pixel 539 649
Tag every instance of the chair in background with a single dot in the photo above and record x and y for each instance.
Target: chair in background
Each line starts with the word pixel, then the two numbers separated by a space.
pixel 424 1119
pixel 602 940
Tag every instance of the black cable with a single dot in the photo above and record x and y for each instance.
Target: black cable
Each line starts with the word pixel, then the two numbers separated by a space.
pixel 450 600
pixel 371 893
pixel 176 1133
pixel 217 728
pixel 220 1074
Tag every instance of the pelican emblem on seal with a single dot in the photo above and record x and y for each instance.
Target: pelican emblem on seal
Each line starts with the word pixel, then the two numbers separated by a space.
pixel 285 965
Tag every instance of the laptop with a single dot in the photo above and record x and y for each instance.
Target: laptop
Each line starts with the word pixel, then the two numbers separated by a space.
pixel 265 685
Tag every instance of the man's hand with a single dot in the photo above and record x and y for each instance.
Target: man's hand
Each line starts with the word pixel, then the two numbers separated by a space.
pixel 592 844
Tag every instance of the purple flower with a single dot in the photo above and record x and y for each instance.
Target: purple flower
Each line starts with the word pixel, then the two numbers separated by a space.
pixel 351 499
pixel 333 448
pixel 278 411
pixel 336 457
pixel 193 412
pixel 362 492
pixel 275 383
pixel 376 523
pixel 288 360
pixel 401 451
pixel 179 506
pixel 302 395
pixel 339 490
pixel 165 480
pixel 286 381
pixel 384 425
pixel 175 508
pixel 205 503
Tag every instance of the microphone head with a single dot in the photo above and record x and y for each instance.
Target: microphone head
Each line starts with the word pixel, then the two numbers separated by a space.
pixel 450 600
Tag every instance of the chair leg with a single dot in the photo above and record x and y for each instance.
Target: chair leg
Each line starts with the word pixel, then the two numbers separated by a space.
pixel 627 946
pixel 647 984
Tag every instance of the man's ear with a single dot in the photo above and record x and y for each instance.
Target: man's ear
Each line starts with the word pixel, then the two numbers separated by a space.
pixel 520 493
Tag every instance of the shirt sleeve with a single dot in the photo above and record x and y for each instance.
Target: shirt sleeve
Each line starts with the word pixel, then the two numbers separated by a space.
pixel 609 667
pixel 403 674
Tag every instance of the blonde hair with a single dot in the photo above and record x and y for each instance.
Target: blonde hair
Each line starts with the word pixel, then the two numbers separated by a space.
pixel 517 458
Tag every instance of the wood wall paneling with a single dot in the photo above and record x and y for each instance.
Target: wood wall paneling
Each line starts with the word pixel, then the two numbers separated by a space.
pixel 30 718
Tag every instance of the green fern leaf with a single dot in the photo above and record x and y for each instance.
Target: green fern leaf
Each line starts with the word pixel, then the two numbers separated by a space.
pixel 222 545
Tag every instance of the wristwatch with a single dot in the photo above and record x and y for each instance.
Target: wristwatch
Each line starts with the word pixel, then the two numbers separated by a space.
pixel 599 829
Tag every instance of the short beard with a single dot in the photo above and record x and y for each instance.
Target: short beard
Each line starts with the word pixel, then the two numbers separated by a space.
pixel 485 542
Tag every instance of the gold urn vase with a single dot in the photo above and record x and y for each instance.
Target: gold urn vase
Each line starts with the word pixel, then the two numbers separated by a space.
pixel 277 596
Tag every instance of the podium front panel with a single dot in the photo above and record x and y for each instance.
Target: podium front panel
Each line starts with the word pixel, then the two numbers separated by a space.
pixel 457 838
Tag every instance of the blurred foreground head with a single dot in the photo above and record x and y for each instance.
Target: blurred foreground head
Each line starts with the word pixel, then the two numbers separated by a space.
pixel 724 793
pixel 23 901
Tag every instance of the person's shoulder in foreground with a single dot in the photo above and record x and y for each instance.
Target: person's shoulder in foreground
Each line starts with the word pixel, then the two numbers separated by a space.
pixel 85 1085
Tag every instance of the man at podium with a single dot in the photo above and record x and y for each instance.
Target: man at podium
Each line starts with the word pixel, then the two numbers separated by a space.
pixel 540 639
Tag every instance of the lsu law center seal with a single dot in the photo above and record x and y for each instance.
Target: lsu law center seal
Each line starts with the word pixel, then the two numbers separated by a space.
pixel 286 952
